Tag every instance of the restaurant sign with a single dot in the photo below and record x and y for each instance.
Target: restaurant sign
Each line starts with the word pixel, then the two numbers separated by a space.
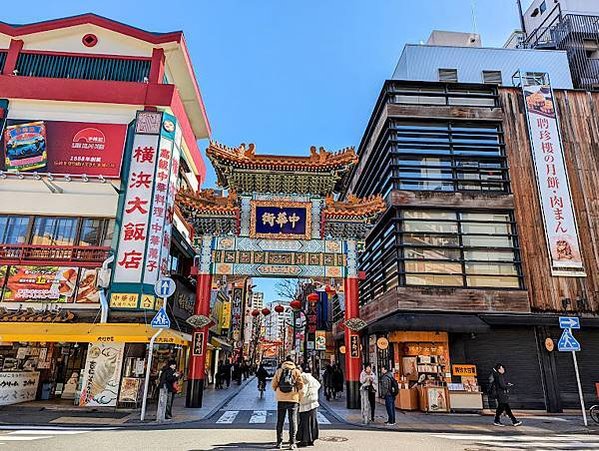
pixel 552 181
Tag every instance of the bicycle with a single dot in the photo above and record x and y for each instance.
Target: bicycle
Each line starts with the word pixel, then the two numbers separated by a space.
pixel 594 413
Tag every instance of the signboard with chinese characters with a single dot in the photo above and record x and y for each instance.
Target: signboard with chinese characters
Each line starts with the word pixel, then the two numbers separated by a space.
pixel 463 370
pixel 198 344
pixel 58 147
pixel 138 200
pixel 280 220
pixel 552 181
pixel 102 374
pixel 354 344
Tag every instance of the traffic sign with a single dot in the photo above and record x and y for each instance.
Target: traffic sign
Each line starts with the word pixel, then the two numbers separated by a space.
pixel 567 342
pixel 569 322
pixel 161 320
pixel 164 287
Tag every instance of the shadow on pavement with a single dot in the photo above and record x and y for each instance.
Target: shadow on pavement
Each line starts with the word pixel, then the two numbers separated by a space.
pixel 240 445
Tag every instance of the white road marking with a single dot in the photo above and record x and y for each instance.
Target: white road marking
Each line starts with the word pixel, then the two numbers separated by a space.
pixel 228 417
pixel 19 438
pixel 322 419
pixel 533 442
pixel 258 416
pixel 44 432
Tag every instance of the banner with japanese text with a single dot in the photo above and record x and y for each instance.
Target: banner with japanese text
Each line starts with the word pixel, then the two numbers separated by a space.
pixel 138 199
pixel 552 181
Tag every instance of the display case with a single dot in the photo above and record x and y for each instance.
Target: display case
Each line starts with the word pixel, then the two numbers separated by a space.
pixel 434 399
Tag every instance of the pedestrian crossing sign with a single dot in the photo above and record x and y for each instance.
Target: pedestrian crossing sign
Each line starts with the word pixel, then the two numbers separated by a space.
pixel 161 320
pixel 567 342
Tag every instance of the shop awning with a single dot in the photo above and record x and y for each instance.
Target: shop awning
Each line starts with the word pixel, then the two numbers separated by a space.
pixel 86 333
pixel 220 343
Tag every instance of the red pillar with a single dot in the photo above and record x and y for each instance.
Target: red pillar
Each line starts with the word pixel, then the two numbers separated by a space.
pixel 157 66
pixel 197 360
pixel 353 360
pixel 15 47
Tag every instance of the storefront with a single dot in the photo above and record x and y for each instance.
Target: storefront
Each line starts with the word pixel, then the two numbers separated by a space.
pixel 89 365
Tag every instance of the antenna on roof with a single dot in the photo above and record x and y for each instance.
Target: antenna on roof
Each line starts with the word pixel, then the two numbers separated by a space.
pixel 473 7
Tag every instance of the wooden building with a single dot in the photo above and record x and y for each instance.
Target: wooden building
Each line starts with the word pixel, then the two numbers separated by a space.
pixel 461 249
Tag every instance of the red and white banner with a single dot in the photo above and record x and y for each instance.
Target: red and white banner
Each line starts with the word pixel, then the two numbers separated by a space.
pixel 138 203
pixel 552 180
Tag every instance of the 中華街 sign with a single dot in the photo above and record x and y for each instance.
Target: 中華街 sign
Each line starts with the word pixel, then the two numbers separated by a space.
pixel 552 181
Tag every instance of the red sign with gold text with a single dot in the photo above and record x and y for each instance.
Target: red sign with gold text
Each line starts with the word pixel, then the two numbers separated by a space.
pixel 79 148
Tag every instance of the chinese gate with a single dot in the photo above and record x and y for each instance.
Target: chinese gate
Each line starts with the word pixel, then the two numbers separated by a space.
pixel 279 219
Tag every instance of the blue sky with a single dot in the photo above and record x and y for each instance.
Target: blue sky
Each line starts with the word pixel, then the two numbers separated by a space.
pixel 289 74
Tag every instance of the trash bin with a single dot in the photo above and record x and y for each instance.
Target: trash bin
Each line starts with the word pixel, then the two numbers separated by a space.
pixel 46 390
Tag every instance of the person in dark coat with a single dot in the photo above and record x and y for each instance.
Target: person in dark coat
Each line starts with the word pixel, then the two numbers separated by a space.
pixel 500 390
pixel 226 373
pixel 338 380
pixel 168 378
pixel 327 379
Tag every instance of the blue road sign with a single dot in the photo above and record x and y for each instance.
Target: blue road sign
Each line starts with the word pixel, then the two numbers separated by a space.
pixel 569 322
pixel 164 287
pixel 567 342
pixel 161 320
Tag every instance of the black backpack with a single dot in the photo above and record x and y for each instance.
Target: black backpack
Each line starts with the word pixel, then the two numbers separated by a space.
pixel 286 381
pixel 492 389
pixel 394 387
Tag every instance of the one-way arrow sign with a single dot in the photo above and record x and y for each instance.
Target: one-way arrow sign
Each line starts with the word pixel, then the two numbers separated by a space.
pixel 569 322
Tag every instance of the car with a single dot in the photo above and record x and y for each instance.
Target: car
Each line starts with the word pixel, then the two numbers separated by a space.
pixel 270 365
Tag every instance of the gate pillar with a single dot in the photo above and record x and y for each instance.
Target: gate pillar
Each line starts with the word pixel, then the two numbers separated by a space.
pixel 353 361
pixel 197 360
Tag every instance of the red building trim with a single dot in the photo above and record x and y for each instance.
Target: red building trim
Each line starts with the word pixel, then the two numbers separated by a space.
pixel 13 54
pixel 94 19
pixel 157 66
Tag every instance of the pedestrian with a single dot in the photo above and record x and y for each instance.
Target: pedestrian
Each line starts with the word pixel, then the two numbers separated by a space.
pixel 169 380
pixel 287 384
pixel 389 388
pixel 327 379
pixel 237 372
pixel 499 389
pixel 261 375
pixel 227 373
pixel 338 380
pixel 368 388
pixel 307 431
pixel 218 378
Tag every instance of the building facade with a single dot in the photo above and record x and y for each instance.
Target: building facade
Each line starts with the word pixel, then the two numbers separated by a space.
pixel 99 126
pixel 456 272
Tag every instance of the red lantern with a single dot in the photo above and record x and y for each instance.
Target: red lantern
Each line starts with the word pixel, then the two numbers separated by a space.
pixel 255 312
pixel 330 291
pixel 313 297
pixel 296 304
pixel 266 311
pixel 279 308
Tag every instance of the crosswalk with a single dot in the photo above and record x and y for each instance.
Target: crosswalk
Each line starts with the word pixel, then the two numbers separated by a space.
pixel 16 434
pixel 525 441
pixel 257 417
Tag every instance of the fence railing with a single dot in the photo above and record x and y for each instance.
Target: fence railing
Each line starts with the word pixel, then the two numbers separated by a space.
pixel 29 254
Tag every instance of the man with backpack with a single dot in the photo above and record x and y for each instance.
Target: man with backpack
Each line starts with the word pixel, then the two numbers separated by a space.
pixel 389 388
pixel 499 389
pixel 287 384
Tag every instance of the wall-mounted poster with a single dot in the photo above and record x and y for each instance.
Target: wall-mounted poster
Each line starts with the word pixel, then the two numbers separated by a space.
pixel 40 284
pixel 102 374
pixel 63 147
pixel 87 292
pixel 552 181
pixel 25 147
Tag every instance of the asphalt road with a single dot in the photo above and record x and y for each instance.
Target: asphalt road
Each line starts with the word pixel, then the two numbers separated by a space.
pixel 248 423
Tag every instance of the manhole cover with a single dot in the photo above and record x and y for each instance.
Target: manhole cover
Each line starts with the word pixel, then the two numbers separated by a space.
pixel 334 439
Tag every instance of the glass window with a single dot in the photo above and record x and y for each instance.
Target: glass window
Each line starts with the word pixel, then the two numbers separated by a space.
pixel 13 229
pixel 475 250
pixel 54 231
pixel 91 232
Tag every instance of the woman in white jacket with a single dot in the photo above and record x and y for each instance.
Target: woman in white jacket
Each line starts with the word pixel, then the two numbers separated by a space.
pixel 307 431
pixel 368 389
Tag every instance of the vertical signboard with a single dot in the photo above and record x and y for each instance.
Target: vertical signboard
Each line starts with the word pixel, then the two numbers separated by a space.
pixel 552 181
pixel 102 374
pixel 136 212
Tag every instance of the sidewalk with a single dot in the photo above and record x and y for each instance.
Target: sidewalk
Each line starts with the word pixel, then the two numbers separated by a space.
pixel 534 422
pixel 64 414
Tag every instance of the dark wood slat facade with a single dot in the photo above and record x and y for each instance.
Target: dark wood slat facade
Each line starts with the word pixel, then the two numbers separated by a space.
pixel 579 124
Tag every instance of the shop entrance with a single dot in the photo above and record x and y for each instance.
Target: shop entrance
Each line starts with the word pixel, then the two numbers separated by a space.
pixel 278 219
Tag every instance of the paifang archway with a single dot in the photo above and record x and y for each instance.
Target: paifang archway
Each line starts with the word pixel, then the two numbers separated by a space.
pixel 279 219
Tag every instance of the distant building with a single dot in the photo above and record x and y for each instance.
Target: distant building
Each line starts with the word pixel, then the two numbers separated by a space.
pixel 258 300
pixel 568 25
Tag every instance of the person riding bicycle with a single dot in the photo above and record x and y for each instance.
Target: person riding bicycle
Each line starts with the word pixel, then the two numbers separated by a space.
pixel 261 374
